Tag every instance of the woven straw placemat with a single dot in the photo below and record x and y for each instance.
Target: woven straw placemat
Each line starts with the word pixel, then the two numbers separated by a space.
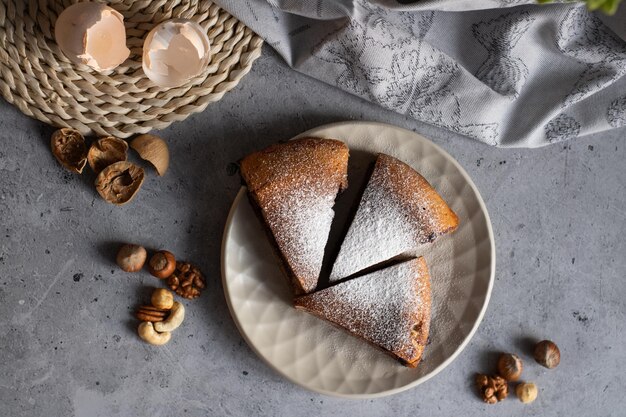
pixel 37 78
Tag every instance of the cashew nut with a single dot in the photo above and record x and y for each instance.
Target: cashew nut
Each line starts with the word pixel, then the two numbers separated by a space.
pixel 176 317
pixel 147 333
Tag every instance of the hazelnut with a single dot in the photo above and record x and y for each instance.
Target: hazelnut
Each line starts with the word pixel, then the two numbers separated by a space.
pixel 510 367
pixel 162 298
pixel 526 392
pixel 131 257
pixel 547 354
pixel 162 264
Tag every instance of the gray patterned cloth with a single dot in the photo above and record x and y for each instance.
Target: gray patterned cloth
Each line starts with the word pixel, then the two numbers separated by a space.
pixel 504 72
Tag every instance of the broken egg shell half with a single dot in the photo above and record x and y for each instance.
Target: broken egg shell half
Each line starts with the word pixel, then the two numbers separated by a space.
pixel 175 51
pixel 106 151
pixel 119 182
pixel 69 148
pixel 154 150
pixel 92 34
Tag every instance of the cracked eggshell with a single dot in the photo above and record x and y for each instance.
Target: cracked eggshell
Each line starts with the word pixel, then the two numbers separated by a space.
pixel 175 51
pixel 92 34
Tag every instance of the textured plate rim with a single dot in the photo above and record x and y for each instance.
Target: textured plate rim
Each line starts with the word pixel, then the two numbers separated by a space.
pixel 411 136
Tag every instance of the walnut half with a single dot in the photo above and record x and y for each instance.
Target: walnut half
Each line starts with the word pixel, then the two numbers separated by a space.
pixel 106 151
pixel 119 182
pixel 68 147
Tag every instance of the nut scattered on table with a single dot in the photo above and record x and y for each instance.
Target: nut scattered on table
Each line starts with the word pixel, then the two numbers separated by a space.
pixel 187 280
pixel 173 320
pixel 510 367
pixel 68 147
pixel 119 182
pixel 147 333
pixel 162 264
pixel 152 314
pixel 492 388
pixel 154 150
pixel 162 298
pixel 131 257
pixel 547 354
pixel 526 392
pixel 106 151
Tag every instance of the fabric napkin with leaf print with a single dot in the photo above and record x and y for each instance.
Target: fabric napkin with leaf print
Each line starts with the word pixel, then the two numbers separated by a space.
pixel 508 73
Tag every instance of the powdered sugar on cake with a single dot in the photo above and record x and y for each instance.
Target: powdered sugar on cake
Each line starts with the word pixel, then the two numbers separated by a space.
pixel 383 307
pixel 397 212
pixel 294 185
pixel 301 220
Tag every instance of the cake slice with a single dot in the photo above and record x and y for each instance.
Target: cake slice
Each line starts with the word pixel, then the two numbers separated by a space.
pixel 398 211
pixel 293 187
pixel 389 308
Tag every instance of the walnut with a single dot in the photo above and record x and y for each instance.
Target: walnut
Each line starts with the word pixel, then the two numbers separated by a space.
pixel 492 388
pixel 68 147
pixel 119 182
pixel 187 280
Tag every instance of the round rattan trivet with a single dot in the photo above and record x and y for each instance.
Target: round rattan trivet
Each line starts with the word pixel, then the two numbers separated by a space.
pixel 37 78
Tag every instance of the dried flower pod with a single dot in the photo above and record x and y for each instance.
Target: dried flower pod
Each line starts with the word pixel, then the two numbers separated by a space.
pixel 510 366
pixel 106 151
pixel 119 182
pixel 154 150
pixel 547 354
pixel 68 147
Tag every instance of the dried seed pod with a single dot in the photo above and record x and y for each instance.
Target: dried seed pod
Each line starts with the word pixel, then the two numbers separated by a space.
pixel 106 151
pixel 154 150
pixel 510 366
pixel 68 147
pixel 119 182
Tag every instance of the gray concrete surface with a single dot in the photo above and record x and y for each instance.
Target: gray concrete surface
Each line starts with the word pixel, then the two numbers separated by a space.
pixel 67 337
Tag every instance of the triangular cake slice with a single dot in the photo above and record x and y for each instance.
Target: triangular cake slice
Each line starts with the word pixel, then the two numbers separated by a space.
pixel 398 211
pixel 293 187
pixel 389 308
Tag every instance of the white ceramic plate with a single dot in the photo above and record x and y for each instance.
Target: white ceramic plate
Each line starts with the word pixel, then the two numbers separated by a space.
pixel 322 358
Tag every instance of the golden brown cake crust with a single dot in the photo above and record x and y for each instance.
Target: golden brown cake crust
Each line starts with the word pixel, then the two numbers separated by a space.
pixel 389 308
pixel 399 210
pixel 293 187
